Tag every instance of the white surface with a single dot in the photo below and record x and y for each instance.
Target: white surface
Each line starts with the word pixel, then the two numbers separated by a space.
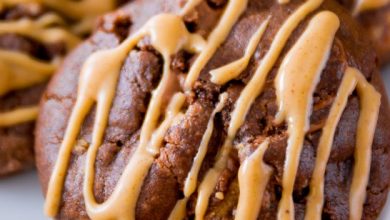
pixel 21 197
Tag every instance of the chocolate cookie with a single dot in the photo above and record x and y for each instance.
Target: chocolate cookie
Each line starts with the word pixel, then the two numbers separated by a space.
pixel 217 110
pixel 34 38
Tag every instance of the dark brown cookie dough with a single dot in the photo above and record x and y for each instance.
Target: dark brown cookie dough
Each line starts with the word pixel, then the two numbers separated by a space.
pixel 164 183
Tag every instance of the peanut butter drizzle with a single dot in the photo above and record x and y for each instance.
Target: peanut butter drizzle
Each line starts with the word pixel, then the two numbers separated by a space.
pixel 191 181
pixel 41 30
pixel 18 116
pixel 367 5
pixel 232 13
pixel 179 211
pixel 19 71
pixel 122 203
pixel 253 177
pixel 244 102
pixel 370 103
pixel 226 73
pixel 97 84
pixel 170 117
pixel 316 198
pixel 295 84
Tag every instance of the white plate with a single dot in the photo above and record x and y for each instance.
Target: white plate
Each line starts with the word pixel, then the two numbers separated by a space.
pixel 21 197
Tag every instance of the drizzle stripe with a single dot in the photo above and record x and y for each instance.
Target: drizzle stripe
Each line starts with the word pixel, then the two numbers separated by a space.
pixel 172 112
pixel 233 11
pixel 21 71
pixel 226 73
pixel 179 211
pixel 192 177
pixel 370 101
pixel 316 198
pixel 191 180
pixel 40 30
pixel 95 79
pixel 253 177
pixel 295 83
pixel 18 116
pixel 126 192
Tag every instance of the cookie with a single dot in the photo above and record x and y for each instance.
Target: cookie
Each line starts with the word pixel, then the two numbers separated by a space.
pixel 217 110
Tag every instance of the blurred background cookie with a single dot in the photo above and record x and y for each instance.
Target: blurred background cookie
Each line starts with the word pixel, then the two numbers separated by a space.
pixel 35 36
pixel 374 15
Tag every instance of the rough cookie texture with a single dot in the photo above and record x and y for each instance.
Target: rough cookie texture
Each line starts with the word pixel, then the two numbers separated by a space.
pixel 140 74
